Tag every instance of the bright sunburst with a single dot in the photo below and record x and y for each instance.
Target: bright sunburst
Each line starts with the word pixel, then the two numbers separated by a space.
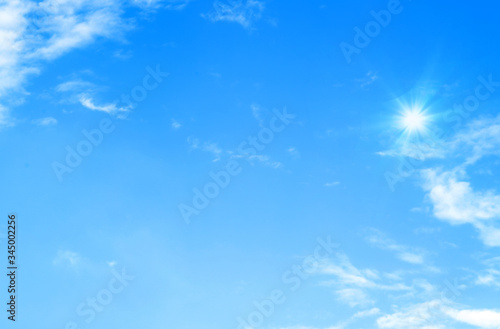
pixel 413 120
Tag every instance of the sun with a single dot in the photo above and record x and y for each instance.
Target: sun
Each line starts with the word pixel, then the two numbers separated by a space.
pixel 414 120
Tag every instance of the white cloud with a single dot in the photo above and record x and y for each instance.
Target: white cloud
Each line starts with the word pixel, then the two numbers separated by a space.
pixel 264 160
pixel 418 150
pixel 73 85
pixel 257 113
pixel 366 313
pixel 368 79
pixel 411 258
pixel 480 318
pixel 456 202
pixel 293 152
pixel 351 283
pixel 404 253
pixel 343 324
pixel 209 147
pixel 332 184
pixel 67 258
pixel 169 4
pixel 491 277
pixel 32 33
pixel 218 152
pixel 88 102
pixel 476 140
pixel 111 263
pixel 75 24
pixel 175 124
pixel 4 114
pixel 48 121
pixel 480 138
pixel 353 297
pixel 346 273
pixel 421 316
pixel 452 196
pixel 241 12
pixel 437 314
pixel 13 24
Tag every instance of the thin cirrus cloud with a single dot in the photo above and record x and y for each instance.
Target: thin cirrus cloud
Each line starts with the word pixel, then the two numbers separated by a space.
pixel 73 85
pixel 490 276
pixel 354 286
pixel 176 124
pixel 244 13
pixel 168 4
pixel 423 315
pixel 213 148
pixel 112 108
pixel 67 258
pixel 217 153
pixel 404 253
pixel 209 147
pixel 32 33
pixel 47 121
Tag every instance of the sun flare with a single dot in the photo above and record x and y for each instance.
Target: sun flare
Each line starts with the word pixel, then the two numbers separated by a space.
pixel 414 120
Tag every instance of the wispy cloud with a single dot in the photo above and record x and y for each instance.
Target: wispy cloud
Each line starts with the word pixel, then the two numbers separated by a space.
pixel 257 113
pixel 218 153
pixel 112 108
pixel 4 117
pixel 67 258
pixel 490 277
pixel 454 199
pixel 241 12
pixel 48 121
pixel 426 315
pixel 71 25
pixel 32 33
pixel 406 254
pixel 176 124
pixel 367 80
pixel 168 4
pixel 293 152
pixel 353 284
pixel 358 315
pixel 209 147
pixel 479 139
pixel 353 297
pixel 74 85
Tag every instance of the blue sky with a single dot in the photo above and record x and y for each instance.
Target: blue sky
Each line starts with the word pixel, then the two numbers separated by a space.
pixel 252 164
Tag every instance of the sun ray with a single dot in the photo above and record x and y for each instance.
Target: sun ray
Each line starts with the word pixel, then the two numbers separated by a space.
pixel 413 121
